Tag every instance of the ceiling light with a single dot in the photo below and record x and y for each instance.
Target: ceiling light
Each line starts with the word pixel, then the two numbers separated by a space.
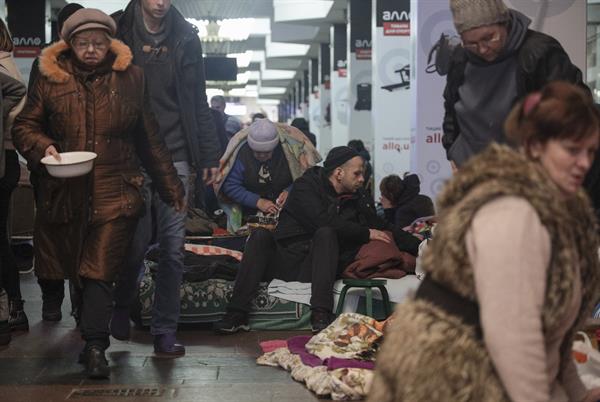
pixel 271 91
pixel 280 49
pixel 293 10
pixel 270 102
pixel 253 75
pixel 231 29
pixel 258 56
pixel 243 78
pixel 108 6
pixel 210 92
pixel 277 74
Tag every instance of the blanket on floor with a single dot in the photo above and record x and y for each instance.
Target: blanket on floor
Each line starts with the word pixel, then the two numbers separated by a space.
pixel 344 343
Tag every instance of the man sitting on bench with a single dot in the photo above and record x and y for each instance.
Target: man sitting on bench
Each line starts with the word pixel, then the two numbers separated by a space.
pixel 326 219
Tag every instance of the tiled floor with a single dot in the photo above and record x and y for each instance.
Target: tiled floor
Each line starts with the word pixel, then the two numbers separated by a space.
pixel 41 365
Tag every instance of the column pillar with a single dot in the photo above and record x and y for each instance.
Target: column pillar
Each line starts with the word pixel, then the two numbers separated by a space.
pixel 359 71
pixel 314 101
pixel 339 86
pixel 324 142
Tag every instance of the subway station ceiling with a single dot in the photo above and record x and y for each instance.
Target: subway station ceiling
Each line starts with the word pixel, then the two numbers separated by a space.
pixel 273 40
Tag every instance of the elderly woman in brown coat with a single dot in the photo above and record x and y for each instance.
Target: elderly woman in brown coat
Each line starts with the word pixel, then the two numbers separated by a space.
pixel 90 97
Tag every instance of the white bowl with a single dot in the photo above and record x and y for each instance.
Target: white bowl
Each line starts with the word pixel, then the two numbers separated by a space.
pixel 72 164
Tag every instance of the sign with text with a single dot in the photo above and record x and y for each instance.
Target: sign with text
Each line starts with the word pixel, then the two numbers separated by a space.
pixel 391 91
pixel 360 71
pixel 360 29
pixel 394 17
pixel 27 24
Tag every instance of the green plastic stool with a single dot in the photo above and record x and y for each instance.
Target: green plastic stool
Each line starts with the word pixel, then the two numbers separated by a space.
pixel 367 285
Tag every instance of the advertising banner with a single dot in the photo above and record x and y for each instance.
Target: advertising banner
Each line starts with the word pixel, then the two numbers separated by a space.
pixel 340 93
pixel 359 72
pixel 434 26
pixel 391 90
pixel 27 24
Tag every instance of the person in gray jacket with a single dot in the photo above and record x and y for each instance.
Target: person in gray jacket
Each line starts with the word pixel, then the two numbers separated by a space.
pixel 500 61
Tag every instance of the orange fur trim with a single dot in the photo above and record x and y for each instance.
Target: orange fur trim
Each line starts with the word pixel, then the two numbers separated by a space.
pixel 49 60
pixel 123 53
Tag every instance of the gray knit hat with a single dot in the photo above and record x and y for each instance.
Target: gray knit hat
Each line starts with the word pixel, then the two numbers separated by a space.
pixel 469 14
pixel 87 18
pixel 263 136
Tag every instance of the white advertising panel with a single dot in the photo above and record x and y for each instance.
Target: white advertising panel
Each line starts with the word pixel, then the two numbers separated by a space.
pixel 391 91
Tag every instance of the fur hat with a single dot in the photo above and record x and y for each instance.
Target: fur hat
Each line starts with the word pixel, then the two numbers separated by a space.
pixel 469 14
pixel 263 136
pixel 87 18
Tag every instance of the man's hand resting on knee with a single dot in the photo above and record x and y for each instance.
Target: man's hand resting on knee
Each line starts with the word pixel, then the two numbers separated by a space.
pixel 375 234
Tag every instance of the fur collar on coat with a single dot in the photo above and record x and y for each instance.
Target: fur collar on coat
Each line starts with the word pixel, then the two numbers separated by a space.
pixel 51 68
pixel 501 171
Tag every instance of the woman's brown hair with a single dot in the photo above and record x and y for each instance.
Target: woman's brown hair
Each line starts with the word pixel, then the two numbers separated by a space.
pixel 6 42
pixel 560 110
pixel 391 187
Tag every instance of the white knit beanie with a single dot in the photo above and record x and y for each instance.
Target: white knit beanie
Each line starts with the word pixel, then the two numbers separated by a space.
pixel 263 136
pixel 469 14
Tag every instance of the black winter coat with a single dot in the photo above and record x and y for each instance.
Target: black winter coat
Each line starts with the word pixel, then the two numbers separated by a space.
pixel 403 215
pixel 410 205
pixel 313 204
pixel 201 134
pixel 541 59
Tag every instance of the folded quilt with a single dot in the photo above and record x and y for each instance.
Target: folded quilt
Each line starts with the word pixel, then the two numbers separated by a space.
pixel 348 337
pixel 339 384
pixel 331 363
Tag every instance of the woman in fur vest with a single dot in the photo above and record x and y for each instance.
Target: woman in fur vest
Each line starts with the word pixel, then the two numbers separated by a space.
pixel 512 271
pixel 90 98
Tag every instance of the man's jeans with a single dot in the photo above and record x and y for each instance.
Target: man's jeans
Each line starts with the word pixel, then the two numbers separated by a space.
pixel 170 229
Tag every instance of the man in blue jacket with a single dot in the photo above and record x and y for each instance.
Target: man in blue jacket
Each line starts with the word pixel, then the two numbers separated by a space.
pixel 167 47
pixel 260 178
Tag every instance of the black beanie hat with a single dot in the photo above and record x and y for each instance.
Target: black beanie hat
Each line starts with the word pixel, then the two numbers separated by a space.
pixel 338 156
pixel 65 13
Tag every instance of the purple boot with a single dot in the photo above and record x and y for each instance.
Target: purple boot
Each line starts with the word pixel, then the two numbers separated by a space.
pixel 166 345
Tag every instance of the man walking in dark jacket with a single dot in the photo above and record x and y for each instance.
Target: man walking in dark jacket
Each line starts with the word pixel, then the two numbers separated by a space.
pixel 167 47
pixel 500 61
pixel 326 219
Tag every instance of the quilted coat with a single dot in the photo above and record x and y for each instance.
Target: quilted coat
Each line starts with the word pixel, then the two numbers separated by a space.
pixel 430 355
pixel 84 225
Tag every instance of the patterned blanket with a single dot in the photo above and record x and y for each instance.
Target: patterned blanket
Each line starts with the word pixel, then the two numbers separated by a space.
pixel 206 301
pixel 351 336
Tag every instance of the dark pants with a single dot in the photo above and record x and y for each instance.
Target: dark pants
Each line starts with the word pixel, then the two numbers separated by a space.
pixel 96 311
pixel 314 261
pixel 52 289
pixel 9 274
